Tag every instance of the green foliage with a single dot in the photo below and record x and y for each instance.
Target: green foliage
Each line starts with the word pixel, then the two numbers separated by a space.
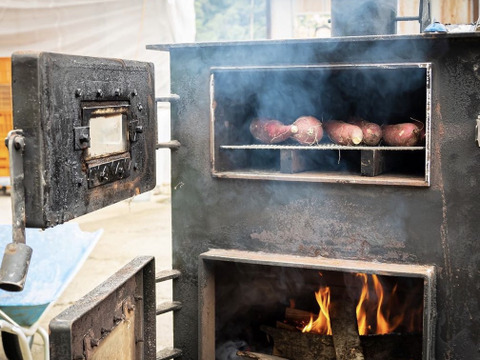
pixel 226 20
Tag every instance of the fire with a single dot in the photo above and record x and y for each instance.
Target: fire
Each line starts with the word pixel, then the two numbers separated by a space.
pixel 322 324
pixel 375 307
pixel 377 312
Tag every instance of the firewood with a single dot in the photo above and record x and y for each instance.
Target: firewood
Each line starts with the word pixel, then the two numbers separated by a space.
pixel 258 356
pixel 297 315
pixel 298 345
pixel 343 320
pixel 282 325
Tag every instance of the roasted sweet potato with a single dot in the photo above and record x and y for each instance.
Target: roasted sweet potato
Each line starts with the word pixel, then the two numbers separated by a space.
pixel 372 133
pixel 269 131
pixel 404 134
pixel 342 133
pixel 307 130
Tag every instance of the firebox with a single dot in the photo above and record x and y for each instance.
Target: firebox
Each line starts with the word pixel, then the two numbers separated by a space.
pixel 311 308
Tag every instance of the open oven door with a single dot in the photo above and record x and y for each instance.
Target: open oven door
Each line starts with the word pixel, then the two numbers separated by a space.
pixel 85 136
pixel 116 320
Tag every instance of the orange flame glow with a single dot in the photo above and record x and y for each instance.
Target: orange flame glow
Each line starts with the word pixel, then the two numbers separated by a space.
pixel 322 324
pixel 384 322
pixel 379 310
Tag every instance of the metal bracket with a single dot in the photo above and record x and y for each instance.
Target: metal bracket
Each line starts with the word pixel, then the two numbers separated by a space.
pixel 134 129
pixel 82 137
pixel 16 259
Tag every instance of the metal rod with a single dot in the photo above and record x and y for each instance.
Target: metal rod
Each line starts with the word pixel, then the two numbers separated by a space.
pixel 172 144
pixel 169 98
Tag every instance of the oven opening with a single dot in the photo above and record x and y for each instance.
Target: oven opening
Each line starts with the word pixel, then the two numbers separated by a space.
pixel 316 309
pixel 246 143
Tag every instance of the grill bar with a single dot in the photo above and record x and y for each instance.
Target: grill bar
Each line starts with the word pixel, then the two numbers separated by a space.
pixel 319 147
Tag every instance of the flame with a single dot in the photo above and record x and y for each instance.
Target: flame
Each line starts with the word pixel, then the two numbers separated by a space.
pixel 380 310
pixel 322 324
pixel 360 309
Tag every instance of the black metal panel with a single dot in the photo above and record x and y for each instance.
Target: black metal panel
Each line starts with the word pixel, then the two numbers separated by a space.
pixel 426 226
pixel 55 97
pixel 120 311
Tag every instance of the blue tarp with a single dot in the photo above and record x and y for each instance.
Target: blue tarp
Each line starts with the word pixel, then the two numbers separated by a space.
pixel 58 254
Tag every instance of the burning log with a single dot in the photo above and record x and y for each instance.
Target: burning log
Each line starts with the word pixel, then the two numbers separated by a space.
pixel 343 318
pixel 258 356
pixel 298 345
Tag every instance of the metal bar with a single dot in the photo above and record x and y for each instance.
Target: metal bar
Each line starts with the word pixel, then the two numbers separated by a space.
pixel 168 353
pixel 173 145
pixel 16 145
pixel 165 275
pixel 168 306
pixel 392 66
pixel 319 147
pixel 426 272
pixel 169 98
pixel 407 18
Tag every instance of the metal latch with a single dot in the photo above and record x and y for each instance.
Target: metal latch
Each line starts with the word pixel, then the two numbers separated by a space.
pixel 477 131
pixel 82 137
pixel 16 259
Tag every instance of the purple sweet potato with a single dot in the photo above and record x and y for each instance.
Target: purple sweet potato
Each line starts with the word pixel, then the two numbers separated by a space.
pixel 342 133
pixel 269 131
pixel 404 134
pixel 307 130
pixel 372 133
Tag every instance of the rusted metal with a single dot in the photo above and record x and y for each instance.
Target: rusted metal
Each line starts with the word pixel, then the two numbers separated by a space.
pixel 56 98
pixel 167 354
pixel 410 225
pixel 168 306
pixel 333 270
pixel 173 145
pixel 165 275
pixel 111 320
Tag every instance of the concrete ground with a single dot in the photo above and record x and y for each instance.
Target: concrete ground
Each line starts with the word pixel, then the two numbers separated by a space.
pixel 139 226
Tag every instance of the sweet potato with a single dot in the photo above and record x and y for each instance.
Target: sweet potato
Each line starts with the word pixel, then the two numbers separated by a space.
pixel 404 134
pixel 307 130
pixel 269 131
pixel 343 133
pixel 372 133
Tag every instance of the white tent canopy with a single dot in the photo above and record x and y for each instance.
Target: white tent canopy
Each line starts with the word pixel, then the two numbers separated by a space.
pixel 103 28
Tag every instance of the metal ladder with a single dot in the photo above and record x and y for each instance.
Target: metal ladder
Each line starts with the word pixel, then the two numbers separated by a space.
pixel 168 353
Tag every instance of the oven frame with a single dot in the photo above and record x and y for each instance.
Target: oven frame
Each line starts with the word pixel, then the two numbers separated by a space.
pixel 206 287
pixel 326 177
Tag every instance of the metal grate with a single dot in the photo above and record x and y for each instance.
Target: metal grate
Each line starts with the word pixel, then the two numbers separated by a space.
pixel 319 147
